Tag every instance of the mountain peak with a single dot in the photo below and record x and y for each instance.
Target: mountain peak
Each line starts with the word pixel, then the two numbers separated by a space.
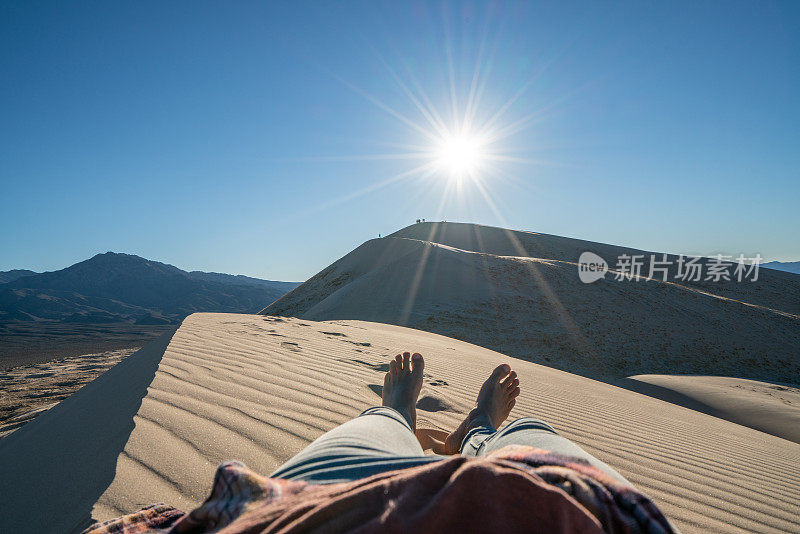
pixel 14 274
pixel 127 287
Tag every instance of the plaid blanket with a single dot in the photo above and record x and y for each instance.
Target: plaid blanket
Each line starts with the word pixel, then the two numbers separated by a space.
pixel 515 489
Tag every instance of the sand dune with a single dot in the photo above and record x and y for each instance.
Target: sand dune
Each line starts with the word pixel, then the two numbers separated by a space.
pixel 769 407
pixel 258 389
pixel 521 295
pixel 773 289
pixel 29 390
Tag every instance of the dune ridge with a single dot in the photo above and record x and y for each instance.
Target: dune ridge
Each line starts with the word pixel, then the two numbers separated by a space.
pixel 258 389
pixel 521 295
pixel 773 289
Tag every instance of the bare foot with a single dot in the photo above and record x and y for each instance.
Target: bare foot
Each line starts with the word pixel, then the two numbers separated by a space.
pixel 402 385
pixel 497 397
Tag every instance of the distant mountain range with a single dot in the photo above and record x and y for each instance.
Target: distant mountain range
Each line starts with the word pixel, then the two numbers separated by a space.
pixel 787 266
pixel 10 276
pixel 112 287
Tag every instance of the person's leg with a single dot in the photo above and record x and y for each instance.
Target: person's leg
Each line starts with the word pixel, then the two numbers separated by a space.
pixel 482 439
pixel 380 439
pixel 478 434
pixel 497 397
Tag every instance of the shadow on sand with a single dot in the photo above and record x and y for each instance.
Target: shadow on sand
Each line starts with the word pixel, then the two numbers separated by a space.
pixel 753 413
pixel 665 394
pixel 54 469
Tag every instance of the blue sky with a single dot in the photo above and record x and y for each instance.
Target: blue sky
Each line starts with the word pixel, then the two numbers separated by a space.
pixel 230 136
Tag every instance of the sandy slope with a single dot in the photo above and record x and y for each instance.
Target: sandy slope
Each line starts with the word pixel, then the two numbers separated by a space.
pixel 769 407
pixel 537 309
pixel 259 388
pixel 772 289
pixel 29 390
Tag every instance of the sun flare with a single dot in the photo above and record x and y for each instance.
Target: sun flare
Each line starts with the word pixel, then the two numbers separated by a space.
pixel 466 141
pixel 460 155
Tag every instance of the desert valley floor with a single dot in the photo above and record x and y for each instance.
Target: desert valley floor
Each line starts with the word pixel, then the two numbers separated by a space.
pixel 259 388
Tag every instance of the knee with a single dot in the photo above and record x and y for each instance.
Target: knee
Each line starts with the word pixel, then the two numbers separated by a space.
pixel 385 411
pixel 378 410
pixel 529 423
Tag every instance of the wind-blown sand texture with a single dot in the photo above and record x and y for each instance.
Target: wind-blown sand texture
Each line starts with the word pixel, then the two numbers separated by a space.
pixel 771 408
pixel 519 293
pixel 259 389
pixel 27 391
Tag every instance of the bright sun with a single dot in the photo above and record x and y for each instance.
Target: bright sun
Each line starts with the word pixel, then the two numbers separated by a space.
pixel 460 155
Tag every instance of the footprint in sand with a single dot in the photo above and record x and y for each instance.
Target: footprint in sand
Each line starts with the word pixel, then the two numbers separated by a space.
pixel 426 403
pixel 384 367
pixel 429 403
pixel 291 346
pixel 379 367
pixel 360 344
pixel 333 333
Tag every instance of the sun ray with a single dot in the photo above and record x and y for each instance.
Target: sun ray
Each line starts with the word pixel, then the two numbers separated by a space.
pixel 415 283
pixel 424 95
pixel 432 119
pixel 485 69
pixel 466 150
pixel 471 98
pixel 414 288
pixel 403 146
pixel 419 170
pixel 362 157
pixel 526 121
pixel 387 109
pixel 489 124
pixel 572 328
pixel 464 144
pixel 450 68
pixel 529 161
pixel 445 198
